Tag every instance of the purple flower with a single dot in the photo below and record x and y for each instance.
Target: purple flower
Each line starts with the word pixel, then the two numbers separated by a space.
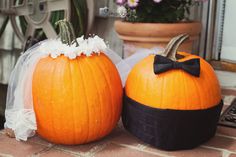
pixel 133 3
pixel 120 2
pixel 157 1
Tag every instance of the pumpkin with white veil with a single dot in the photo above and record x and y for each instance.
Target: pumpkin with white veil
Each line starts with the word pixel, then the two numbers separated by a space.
pixel 67 90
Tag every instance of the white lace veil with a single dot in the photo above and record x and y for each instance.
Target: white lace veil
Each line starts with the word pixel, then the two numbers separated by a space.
pixel 20 116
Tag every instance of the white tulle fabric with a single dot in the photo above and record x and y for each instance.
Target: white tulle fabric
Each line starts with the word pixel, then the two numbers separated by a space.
pixel 20 116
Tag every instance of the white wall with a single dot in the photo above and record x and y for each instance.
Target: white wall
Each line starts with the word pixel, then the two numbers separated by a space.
pixel 229 32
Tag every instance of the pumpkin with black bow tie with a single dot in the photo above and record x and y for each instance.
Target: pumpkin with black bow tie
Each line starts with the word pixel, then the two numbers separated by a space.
pixel 172 100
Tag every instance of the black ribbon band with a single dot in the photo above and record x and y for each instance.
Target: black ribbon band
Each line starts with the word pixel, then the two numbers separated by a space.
pixel 170 129
pixel 2 120
pixel 162 64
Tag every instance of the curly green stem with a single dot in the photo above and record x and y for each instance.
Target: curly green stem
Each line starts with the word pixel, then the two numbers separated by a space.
pixel 66 32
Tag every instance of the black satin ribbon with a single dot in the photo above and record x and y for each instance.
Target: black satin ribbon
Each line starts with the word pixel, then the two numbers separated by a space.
pixel 2 120
pixel 162 64
pixel 170 129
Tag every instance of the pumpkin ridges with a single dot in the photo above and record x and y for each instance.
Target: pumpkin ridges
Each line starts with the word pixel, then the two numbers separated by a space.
pixel 140 86
pixel 94 127
pixel 73 98
pixel 101 130
pixel 109 100
pixel 208 80
pixel 53 133
pixel 90 108
pixel 134 80
pixel 211 79
pixel 93 73
pixel 116 96
pixel 64 76
pixel 182 89
pixel 185 90
pixel 174 83
pixel 51 95
pixel 112 100
pixel 116 89
pixel 187 57
pixel 148 82
pixel 162 80
pixel 109 91
pixel 112 106
pixel 106 98
pixel 202 85
pixel 61 70
pixel 83 133
pixel 45 63
pixel 54 76
pixel 86 100
pixel 200 101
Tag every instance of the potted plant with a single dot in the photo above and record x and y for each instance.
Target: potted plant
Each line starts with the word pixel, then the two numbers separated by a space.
pixel 152 23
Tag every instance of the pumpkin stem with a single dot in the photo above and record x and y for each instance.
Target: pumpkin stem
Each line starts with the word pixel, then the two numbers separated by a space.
pixel 66 32
pixel 171 48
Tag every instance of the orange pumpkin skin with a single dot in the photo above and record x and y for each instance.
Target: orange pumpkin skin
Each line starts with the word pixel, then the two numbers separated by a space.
pixel 174 89
pixel 76 101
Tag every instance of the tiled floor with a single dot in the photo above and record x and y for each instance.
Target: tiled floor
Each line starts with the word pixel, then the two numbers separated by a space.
pixel 122 144
pixel 226 79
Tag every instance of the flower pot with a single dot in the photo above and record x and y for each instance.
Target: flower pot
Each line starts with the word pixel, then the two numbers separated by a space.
pixel 148 35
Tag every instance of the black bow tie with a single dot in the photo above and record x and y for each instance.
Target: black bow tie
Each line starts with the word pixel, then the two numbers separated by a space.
pixel 163 64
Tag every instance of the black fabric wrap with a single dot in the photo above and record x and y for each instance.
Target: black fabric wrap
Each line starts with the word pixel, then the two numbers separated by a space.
pixel 2 120
pixel 170 129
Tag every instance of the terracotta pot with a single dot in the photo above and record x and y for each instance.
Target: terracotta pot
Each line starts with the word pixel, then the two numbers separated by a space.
pixel 148 35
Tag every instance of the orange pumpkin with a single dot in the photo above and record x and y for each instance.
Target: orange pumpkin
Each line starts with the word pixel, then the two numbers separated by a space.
pixel 76 101
pixel 173 110
pixel 174 89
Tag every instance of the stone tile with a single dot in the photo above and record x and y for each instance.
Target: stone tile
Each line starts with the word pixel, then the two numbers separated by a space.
pixel 55 153
pixel 228 92
pixel 114 150
pixel 83 148
pixel 196 152
pixel 127 138
pixel 5 155
pixel 222 143
pixel 115 133
pixel 226 131
pixel 2 131
pixel 39 140
pixel 228 99
pixel 93 145
pixel 16 148
pixel 224 108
